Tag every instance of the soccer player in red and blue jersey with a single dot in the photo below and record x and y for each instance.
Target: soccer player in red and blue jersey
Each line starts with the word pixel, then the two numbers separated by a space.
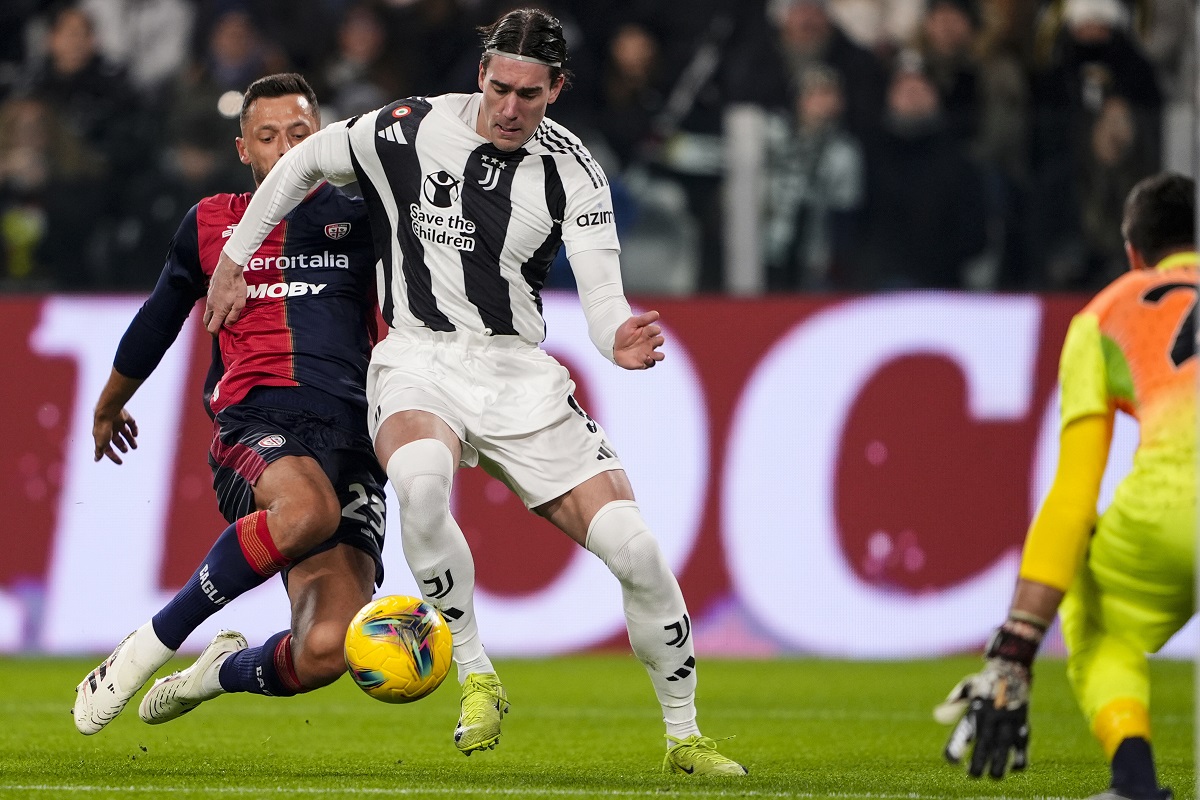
pixel 292 461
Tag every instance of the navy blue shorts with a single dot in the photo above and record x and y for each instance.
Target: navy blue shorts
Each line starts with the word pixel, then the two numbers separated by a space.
pixel 274 423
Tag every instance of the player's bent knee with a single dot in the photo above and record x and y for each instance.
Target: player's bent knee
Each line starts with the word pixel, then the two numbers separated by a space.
pixel 421 473
pixel 423 499
pixel 623 541
pixel 319 655
pixel 303 522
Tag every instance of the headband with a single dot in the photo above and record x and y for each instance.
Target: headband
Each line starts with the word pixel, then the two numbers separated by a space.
pixel 491 51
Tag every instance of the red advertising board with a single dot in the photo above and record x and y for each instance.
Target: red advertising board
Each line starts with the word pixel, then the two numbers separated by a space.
pixel 847 476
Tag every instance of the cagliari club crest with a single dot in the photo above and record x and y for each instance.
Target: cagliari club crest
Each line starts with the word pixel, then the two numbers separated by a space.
pixel 337 230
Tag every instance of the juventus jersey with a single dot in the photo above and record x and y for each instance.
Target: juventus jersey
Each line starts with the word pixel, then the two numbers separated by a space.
pixel 465 232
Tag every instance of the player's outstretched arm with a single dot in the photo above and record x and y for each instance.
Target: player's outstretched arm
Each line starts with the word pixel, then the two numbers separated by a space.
pixel 150 334
pixel 636 343
pixel 113 426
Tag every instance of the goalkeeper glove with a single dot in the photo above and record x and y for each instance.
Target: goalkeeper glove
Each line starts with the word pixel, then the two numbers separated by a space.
pixel 991 707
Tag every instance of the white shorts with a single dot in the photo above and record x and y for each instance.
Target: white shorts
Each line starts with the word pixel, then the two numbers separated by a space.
pixel 509 402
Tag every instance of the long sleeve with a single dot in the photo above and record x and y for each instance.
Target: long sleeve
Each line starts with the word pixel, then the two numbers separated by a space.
pixel 157 323
pixel 1058 538
pixel 598 276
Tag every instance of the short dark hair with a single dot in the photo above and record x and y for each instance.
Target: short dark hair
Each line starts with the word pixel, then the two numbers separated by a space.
pixel 279 85
pixel 1160 215
pixel 527 32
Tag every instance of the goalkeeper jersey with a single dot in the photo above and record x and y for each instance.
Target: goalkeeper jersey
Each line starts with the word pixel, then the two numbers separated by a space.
pixel 1133 348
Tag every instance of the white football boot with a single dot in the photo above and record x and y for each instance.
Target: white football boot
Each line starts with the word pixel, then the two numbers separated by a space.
pixel 180 692
pixel 101 696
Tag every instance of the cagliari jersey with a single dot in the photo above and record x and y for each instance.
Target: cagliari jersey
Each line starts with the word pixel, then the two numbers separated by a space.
pixel 309 318
pixel 1133 348
pixel 471 230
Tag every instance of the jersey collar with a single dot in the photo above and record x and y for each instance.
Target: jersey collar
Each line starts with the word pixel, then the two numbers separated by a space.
pixel 1188 258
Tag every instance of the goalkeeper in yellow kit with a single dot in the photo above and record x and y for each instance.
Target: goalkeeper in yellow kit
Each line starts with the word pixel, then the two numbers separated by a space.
pixel 1123 583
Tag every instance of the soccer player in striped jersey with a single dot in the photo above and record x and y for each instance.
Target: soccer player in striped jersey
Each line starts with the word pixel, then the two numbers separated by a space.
pixel 471 196
pixel 1123 583
pixel 291 456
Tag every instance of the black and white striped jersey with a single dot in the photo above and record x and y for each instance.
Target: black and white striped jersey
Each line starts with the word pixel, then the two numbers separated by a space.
pixel 465 232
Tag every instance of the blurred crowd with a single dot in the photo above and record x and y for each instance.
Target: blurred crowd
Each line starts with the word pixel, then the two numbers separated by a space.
pixel 980 144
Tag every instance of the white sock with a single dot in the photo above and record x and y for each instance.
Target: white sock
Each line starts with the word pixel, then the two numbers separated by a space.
pixel 139 657
pixel 147 650
pixel 437 552
pixel 655 614
pixel 210 682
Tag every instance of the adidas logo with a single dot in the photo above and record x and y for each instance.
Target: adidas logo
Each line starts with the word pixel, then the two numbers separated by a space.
pixel 393 133
pixel 225 234
pixel 683 671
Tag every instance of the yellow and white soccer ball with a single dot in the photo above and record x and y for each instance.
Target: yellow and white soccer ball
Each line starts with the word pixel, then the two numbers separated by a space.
pixel 398 649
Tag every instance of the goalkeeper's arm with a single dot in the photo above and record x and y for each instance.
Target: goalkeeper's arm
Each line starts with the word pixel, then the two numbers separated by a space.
pixel 1058 537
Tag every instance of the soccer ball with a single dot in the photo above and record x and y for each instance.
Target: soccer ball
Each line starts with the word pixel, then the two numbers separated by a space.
pixel 398 649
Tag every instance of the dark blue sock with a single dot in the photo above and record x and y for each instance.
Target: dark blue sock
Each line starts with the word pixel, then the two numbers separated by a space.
pixel 265 670
pixel 1133 771
pixel 223 575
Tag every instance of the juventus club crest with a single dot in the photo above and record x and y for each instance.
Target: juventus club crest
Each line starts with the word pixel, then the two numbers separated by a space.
pixel 337 230
pixel 492 168
pixel 441 189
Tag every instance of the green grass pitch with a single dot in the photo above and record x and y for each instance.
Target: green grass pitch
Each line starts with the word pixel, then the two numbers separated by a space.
pixel 580 727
